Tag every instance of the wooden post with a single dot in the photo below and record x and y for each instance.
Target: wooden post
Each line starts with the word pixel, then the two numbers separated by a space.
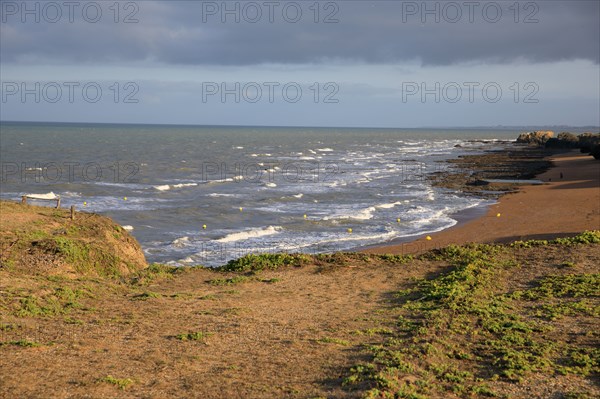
pixel 58 203
pixel 72 212
pixel 24 199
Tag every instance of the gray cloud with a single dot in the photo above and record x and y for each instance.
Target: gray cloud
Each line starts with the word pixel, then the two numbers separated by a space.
pixel 371 32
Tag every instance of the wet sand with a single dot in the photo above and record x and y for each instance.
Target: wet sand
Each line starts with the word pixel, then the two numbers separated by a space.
pixel 560 207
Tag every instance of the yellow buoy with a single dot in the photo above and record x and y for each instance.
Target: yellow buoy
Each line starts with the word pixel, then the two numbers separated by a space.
pixel 241 209
pixel 305 217
pixel 398 220
pixel 125 198
pixel 84 203
pixel 428 238
pixel 498 215
pixel 349 231
pixel 204 226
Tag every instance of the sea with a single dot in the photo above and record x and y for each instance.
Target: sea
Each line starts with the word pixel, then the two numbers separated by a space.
pixel 203 195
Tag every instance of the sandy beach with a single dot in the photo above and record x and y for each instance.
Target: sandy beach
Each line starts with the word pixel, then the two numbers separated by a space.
pixel 559 207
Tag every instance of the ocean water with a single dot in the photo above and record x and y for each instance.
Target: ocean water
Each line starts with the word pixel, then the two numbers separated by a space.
pixel 205 195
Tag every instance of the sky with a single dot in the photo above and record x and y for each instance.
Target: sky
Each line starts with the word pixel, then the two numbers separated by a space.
pixel 302 63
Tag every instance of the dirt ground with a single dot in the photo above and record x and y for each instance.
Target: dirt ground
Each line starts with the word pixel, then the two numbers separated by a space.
pixel 262 335
pixel 289 333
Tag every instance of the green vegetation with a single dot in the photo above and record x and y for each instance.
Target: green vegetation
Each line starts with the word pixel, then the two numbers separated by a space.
pixel 84 258
pixel 60 301
pixel 271 280
pixel 229 281
pixel 254 263
pixel 145 295
pixel 587 237
pixel 22 343
pixel 8 327
pixel 329 340
pixel 121 383
pixel 154 272
pixel 194 336
pixel 460 331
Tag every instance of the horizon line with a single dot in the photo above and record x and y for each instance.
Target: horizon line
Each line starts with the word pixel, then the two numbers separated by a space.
pixel 507 127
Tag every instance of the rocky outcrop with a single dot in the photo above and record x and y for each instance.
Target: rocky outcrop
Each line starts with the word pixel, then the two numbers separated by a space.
pixel 588 143
pixel 538 138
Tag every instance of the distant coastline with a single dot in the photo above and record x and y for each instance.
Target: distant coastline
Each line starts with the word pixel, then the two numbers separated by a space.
pixel 576 129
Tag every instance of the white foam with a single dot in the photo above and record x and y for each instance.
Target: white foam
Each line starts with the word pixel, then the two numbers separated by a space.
pixel 221 195
pixel 298 195
pixel 47 196
pixel 253 233
pixel 220 181
pixel 271 185
pixel 325 149
pixel 364 214
pixel 128 227
pixel 180 242
pixel 185 185
pixel 167 187
pixel 388 206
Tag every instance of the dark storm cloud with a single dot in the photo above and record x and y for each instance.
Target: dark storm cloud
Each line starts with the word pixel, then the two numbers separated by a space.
pixel 372 32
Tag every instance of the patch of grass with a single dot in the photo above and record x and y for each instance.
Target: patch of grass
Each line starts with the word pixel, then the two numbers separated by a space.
pixel 229 281
pixel 154 272
pixel 271 280
pixel 22 343
pixel 181 295
pixel 145 296
pixel 571 285
pixel 587 237
pixel 121 383
pixel 85 258
pixel 568 264
pixel 194 336
pixel 8 327
pixel 254 263
pixel 451 325
pixel 34 235
pixel 329 340
pixel 70 320
pixel 75 252
pixel 61 301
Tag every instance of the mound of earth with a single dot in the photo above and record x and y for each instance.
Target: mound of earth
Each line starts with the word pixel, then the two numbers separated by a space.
pixel 44 240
